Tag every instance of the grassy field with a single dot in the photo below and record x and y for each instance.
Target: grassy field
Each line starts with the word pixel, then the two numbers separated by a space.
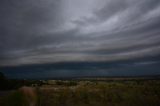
pixel 86 93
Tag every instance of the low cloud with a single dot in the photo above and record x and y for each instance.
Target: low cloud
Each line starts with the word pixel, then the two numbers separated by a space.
pixel 51 31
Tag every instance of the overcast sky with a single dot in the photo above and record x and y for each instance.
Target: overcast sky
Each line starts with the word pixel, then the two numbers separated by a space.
pixel 52 31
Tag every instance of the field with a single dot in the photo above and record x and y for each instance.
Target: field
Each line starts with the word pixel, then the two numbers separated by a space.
pixel 85 93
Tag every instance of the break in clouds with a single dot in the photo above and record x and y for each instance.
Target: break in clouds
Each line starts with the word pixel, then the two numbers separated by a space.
pixel 52 31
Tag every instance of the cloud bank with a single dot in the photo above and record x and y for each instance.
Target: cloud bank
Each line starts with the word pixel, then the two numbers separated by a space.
pixel 53 31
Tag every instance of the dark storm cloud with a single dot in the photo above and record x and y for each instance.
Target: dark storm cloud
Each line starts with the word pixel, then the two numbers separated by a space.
pixel 111 8
pixel 22 22
pixel 51 31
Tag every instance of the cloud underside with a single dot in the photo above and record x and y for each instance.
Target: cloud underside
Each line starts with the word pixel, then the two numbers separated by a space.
pixel 51 31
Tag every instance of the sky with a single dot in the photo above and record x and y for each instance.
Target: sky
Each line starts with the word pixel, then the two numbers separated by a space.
pixel 109 32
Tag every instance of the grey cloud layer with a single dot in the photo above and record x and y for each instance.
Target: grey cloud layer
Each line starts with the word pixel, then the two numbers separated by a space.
pixel 43 31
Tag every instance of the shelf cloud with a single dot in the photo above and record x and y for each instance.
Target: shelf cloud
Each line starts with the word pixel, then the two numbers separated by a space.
pixel 53 31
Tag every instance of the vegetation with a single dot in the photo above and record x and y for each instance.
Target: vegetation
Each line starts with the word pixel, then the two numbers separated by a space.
pixel 66 83
pixel 10 84
pixel 119 92
pixel 116 93
pixel 86 93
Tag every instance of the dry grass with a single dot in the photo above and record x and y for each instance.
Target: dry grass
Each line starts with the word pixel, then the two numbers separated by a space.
pixel 88 93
